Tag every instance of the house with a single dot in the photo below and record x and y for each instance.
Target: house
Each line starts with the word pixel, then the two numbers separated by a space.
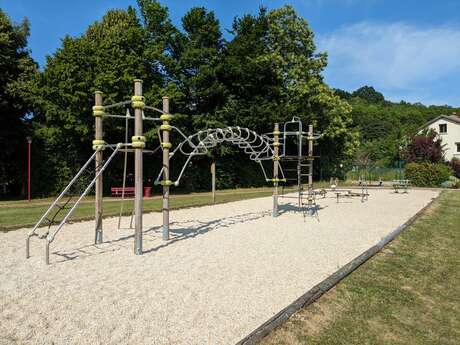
pixel 448 128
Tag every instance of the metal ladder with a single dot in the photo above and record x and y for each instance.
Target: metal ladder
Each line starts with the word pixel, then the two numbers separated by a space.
pixel 63 202
pixel 296 164
pixel 303 167
pixel 309 205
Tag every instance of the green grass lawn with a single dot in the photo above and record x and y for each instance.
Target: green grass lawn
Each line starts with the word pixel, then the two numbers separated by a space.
pixel 22 213
pixel 17 214
pixel 407 294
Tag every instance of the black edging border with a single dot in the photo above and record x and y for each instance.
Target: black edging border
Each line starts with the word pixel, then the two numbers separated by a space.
pixel 318 290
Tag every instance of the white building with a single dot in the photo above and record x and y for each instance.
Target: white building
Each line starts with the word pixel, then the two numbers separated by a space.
pixel 448 128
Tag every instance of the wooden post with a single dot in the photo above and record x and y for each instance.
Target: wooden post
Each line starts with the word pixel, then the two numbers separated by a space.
pixel 213 181
pixel 276 162
pixel 99 181
pixel 166 181
pixel 29 156
pixel 310 157
pixel 138 173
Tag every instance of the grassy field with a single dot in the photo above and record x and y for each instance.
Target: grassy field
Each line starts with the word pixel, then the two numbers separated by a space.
pixel 407 294
pixel 18 214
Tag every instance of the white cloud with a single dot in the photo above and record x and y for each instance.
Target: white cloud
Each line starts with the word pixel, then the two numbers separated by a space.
pixel 397 57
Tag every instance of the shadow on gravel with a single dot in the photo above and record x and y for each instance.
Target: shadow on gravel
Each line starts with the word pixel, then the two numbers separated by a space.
pixel 305 211
pixel 179 231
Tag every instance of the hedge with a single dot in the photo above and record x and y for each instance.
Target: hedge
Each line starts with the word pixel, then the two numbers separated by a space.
pixel 427 174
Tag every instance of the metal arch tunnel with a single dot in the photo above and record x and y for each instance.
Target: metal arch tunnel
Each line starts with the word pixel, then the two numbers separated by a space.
pixel 258 147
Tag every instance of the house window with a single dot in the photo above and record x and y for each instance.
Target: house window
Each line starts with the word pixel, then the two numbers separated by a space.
pixel 443 128
pixel 458 147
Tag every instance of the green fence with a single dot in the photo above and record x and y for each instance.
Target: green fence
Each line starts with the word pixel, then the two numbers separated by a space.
pixel 375 174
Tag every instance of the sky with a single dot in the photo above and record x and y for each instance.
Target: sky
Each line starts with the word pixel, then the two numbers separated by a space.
pixel 407 49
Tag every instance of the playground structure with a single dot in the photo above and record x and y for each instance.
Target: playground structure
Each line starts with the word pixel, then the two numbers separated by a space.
pixel 300 164
pixel 259 148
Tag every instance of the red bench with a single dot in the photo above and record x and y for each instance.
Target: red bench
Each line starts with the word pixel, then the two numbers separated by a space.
pixel 118 191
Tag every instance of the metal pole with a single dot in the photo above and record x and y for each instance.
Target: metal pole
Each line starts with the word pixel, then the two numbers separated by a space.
pixel 299 165
pixel 310 157
pixel 165 117
pixel 29 142
pixel 213 181
pixel 299 179
pixel 32 232
pixel 138 144
pixel 50 238
pixel 125 166
pixel 276 158
pixel 98 165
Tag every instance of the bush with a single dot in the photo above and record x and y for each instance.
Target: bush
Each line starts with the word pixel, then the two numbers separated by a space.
pixel 427 174
pixel 452 182
pixel 455 165
pixel 425 148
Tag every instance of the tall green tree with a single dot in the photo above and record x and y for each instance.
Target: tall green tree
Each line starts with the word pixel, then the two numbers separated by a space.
pixel 199 59
pixel 107 57
pixel 274 72
pixel 304 91
pixel 16 67
pixel 253 88
pixel 187 59
pixel 162 46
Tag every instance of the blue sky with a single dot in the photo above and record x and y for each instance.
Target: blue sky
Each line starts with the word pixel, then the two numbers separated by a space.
pixel 406 49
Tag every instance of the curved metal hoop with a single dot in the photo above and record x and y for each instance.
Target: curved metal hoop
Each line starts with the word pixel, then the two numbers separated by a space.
pixel 256 146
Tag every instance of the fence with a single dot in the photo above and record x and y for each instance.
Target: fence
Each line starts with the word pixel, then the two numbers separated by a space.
pixel 375 174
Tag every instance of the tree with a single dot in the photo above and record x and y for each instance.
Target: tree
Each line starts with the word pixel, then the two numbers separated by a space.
pixel 16 67
pixel 425 148
pixel 107 57
pixel 163 44
pixel 199 58
pixel 187 59
pixel 273 72
pixel 343 94
pixel 369 94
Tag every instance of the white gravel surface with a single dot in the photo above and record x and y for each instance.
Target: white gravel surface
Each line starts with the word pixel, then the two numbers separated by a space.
pixel 227 269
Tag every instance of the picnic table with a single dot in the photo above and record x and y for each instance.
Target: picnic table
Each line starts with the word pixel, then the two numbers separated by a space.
pixel 349 193
pixel 401 184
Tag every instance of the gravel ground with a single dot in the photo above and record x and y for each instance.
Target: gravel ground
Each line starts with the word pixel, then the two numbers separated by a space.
pixel 227 269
